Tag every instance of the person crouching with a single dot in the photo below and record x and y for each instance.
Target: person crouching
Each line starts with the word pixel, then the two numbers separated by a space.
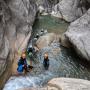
pixel 22 64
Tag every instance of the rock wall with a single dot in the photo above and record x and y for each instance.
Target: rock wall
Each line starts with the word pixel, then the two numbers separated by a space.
pixel 69 10
pixel 45 6
pixel 76 12
pixel 79 35
pixel 16 20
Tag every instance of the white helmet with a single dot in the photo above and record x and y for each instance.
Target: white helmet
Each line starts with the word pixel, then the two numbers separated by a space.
pixel 30 46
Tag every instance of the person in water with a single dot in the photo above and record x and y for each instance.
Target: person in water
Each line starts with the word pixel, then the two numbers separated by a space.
pixel 46 61
pixel 22 64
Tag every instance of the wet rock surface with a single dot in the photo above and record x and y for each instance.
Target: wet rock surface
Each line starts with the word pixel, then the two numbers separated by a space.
pixel 79 35
pixel 68 84
pixel 65 42
pixel 64 84
pixel 45 6
pixel 69 10
pixel 34 88
pixel 47 40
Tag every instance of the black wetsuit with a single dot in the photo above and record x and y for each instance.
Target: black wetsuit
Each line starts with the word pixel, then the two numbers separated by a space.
pixel 46 63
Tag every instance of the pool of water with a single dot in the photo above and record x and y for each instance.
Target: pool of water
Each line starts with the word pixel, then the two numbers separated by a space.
pixel 51 24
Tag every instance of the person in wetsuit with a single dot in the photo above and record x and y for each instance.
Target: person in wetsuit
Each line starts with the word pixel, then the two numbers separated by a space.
pixel 31 52
pixel 46 61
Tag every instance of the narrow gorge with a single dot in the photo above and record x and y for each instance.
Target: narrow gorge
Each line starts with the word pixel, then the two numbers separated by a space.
pixel 63 28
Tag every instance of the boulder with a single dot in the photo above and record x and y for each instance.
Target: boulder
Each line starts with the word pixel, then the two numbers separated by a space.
pixel 45 6
pixel 47 40
pixel 78 34
pixel 65 42
pixel 68 10
pixel 68 84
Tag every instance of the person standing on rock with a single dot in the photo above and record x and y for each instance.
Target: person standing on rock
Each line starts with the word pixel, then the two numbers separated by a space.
pixel 46 61
pixel 30 54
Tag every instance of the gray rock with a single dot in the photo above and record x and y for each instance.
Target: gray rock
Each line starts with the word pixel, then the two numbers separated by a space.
pixel 45 6
pixel 79 35
pixel 69 10
pixel 65 42
pixel 47 40
pixel 16 20
pixel 68 84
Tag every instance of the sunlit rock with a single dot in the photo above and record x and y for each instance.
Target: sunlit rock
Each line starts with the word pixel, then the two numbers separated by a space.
pixel 68 10
pixel 47 40
pixel 79 35
pixel 68 84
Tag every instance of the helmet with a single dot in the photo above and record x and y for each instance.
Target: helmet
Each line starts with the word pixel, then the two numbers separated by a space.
pixel 30 46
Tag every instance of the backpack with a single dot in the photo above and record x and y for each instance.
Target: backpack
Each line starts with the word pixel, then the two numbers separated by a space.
pixel 20 68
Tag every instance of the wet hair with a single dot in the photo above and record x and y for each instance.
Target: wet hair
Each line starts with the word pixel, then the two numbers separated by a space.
pixel 23 55
pixel 45 55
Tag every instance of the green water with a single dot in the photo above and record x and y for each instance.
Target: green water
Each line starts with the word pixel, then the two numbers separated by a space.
pixel 52 24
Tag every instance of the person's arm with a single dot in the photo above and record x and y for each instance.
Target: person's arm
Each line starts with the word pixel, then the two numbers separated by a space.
pixel 25 62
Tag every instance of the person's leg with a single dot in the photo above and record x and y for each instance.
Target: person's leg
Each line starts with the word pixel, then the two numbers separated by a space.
pixel 20 70
pixel 31 64
pixel 24 72
pixel 25 69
